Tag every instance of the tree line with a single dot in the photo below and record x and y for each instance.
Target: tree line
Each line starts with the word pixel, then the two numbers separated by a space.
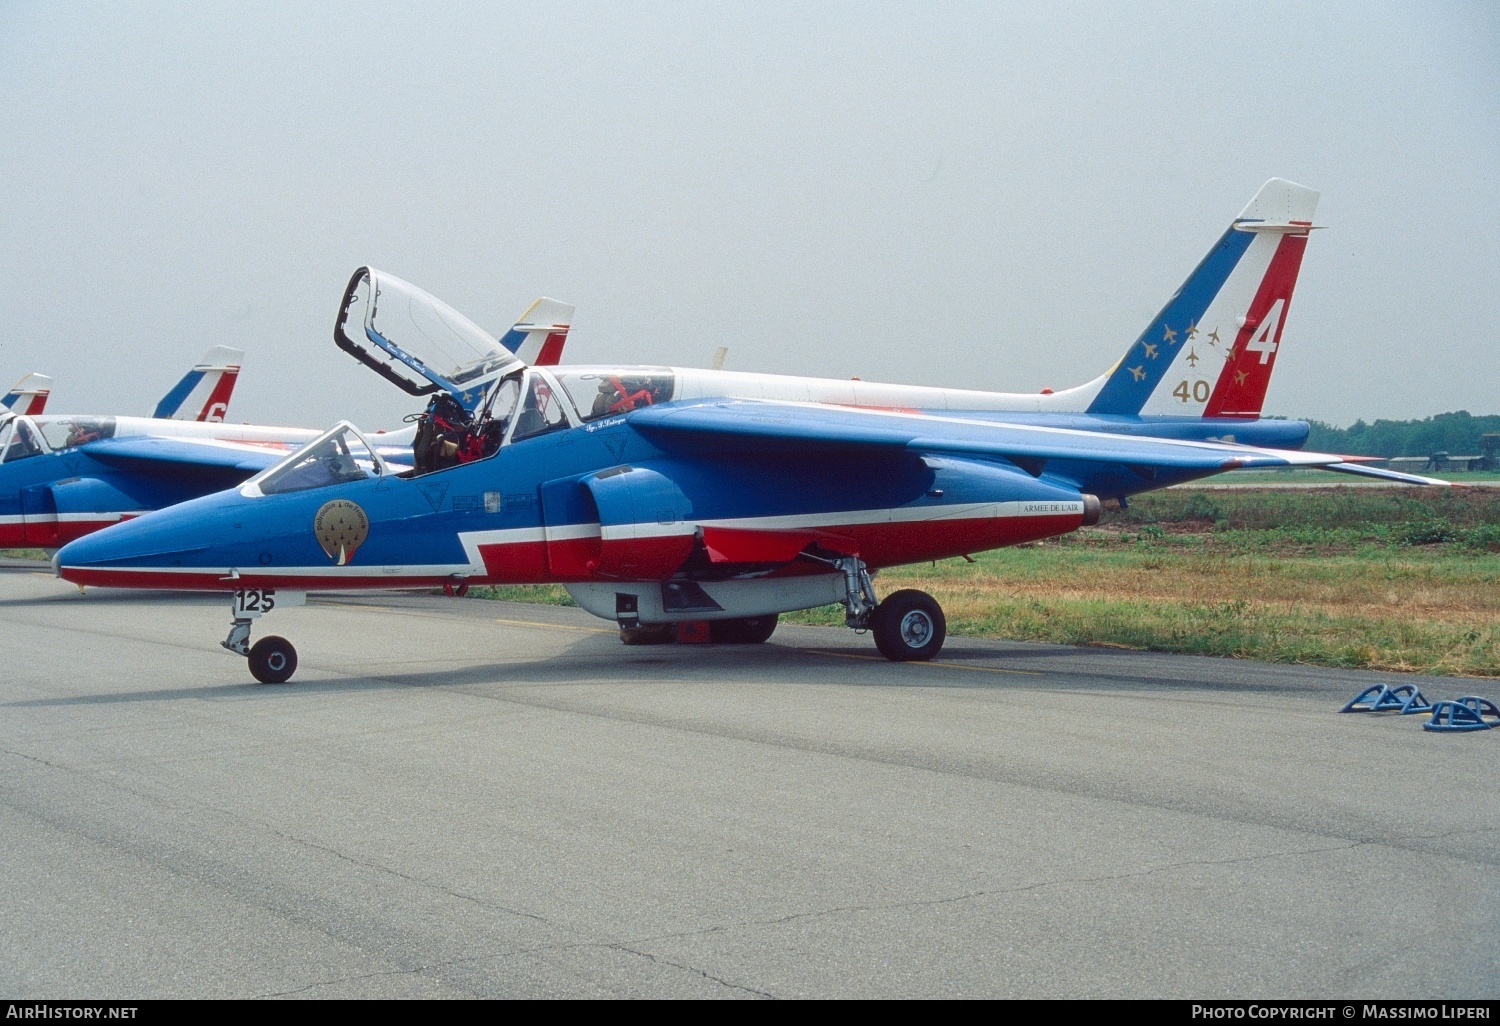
pixel 1458 434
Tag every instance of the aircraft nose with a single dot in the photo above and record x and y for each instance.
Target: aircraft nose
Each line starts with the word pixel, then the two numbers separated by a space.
pixel 114 545
pixel 166 540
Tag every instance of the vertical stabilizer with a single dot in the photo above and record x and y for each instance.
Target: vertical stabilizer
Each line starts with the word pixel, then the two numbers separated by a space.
pixel 539 336
pixel 1211 349
pixel 203 393
pixel 29 397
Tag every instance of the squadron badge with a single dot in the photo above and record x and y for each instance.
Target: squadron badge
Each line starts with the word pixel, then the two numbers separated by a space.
pixel 340 527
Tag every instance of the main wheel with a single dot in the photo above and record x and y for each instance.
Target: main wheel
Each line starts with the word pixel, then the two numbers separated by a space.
pixel 745 630
pixel 273 660
pixel 909 626
pixel 648 634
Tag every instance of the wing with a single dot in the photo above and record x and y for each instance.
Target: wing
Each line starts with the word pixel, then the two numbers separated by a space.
pixel 757 425
pixel 178 457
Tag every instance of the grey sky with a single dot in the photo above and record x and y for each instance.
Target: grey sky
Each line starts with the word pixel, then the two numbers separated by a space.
pixel 983 195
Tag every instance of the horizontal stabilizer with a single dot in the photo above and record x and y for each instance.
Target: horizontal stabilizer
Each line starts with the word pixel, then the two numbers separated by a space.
pixel 1388 475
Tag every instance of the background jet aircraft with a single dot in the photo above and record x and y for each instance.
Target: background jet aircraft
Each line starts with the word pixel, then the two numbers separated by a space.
pixel 63 476
pixel 539 336
pixel 29 397
pixel 651 502
pixel 203 393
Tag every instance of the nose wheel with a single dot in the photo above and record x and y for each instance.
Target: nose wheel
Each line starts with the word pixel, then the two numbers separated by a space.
pixel 272 660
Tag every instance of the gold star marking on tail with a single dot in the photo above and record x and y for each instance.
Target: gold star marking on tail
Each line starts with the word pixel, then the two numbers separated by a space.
pixel 1168 335
pixel 1150 351
pixel 1139 373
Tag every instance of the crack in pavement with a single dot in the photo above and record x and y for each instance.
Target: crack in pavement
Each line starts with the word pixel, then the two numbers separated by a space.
pixel 360 976
pixel 419 881
pixel 603 945
pixel 1025 888
pixel 692 969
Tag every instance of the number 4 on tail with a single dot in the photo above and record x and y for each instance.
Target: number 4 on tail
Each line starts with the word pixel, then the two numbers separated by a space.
pixel 1264 340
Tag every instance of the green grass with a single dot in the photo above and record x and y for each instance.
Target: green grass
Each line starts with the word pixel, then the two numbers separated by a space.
pixel 537 594
pixel 1433 609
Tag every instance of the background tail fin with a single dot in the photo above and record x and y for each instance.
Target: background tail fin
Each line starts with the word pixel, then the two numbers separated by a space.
pixel 29 397
pixel 1211 349
pixel 203 393
pixel 539 336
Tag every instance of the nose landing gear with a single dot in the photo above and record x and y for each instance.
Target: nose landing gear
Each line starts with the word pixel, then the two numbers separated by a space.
pixel 272 660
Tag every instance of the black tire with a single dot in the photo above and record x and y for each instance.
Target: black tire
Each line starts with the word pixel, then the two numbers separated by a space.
pixel 649 634
pixel 273 660
pixel 909 626
pixel 745 630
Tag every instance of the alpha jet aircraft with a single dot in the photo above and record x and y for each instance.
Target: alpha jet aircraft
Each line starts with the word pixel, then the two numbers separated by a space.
pixel 651 504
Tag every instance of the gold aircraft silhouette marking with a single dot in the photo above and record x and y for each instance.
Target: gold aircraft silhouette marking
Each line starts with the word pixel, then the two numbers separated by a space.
pixel 1192 331
pixel 1240 376
pixel 1214 335
pixel 1139 372
pixel 1150 351
pixel 1191 358
pixel 1168 335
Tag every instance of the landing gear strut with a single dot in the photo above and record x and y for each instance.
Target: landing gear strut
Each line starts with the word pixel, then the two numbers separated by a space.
pixel 859 592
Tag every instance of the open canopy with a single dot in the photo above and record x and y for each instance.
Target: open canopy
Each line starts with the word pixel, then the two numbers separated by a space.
pixel 417 341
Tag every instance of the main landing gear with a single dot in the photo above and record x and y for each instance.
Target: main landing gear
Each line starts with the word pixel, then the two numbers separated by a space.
pixel 909 625
pixel 272 660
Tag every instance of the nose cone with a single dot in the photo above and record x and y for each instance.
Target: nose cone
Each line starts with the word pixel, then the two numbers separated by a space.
pixel 170 548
